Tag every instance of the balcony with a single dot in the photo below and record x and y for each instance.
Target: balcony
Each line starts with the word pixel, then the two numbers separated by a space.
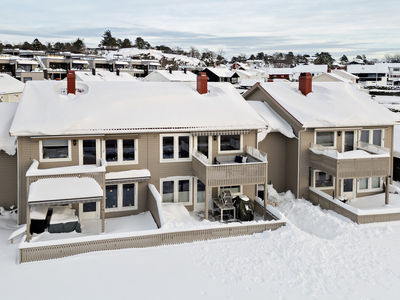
pixel 367 161
pixel 229 173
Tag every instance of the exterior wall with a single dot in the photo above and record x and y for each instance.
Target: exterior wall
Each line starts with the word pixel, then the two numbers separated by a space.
pixel 291 165
pixel 8 180
pixel 33 75
pixel 325 78
pixel 15 97
pixel 275 146
pixel 306 138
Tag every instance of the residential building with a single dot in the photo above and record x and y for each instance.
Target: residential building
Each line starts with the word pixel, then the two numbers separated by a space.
pixel 343 144
pixel 10 88
pixel 221 75
pixel 127 136
pixel 99 75
pixel 171 76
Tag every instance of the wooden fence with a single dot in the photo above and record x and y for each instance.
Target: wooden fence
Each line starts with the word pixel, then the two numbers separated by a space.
pixel 39 253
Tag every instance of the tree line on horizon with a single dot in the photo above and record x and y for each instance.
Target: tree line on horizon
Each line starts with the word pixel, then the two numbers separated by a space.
pixel 109 42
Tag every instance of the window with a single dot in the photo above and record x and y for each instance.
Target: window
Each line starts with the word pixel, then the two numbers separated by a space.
pixel 326 139
pixel 372 136
pixel 121 197
pixel 235 189
pixel 89 152
pixel 89 207
pixel 121 151
pixel 55 150
pixel 175 190
pixel 175 147
pixel 369 184
pixel 230 143
pixel 323 180
pixel 201 192
pixel 202 145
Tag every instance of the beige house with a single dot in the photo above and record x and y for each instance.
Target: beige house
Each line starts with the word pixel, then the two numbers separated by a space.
pixel 8 157
pixel 343 143
pixel 182 138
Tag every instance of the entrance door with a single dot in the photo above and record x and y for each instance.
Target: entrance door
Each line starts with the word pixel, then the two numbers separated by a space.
pixel 89 151
pixel 199 195
pixel 349 141
pixel 348 188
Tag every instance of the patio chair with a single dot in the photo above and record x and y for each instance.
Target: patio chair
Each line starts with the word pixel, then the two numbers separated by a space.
pixel 226 198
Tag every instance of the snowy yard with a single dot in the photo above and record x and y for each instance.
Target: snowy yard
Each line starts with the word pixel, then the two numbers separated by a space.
pixel 318 255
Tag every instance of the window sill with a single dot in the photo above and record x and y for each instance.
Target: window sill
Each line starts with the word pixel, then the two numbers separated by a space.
pixel 116 209
pixel 123 163
pixel 370 191
pixel 230 151
pixel 176 160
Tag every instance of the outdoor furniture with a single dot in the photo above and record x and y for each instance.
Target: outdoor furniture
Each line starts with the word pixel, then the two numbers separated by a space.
pixel 64 219
pixel 221 207
pixel 39 219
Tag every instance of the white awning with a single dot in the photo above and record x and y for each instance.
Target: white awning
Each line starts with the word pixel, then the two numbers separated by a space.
pixel 80 62
pixel 27 62
pixel 121 63
pixel 64 191
pixel 128 176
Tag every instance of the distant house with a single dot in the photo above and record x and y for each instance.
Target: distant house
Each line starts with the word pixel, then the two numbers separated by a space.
pixel 314 70
pixel 8 157
pixel 240 66
pixel 96 75
pixel 330 77
pixel 171 76
pixel 221 75
pixel 380 73
pixel 280 73
pixel 10 88
pixel 347 75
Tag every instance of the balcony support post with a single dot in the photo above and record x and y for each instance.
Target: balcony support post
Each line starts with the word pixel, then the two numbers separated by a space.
pixel 207 200
pixel 387 191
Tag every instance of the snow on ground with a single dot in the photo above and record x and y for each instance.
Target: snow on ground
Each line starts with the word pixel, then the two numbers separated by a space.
pixel 390 102
pixel 318 255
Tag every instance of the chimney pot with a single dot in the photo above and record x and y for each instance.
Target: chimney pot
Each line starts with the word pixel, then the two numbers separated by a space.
pixel 184 70
pixel 170 70
pixel 305 83
pixel 202 83
pixel 94 72
pixel 117 71
pixel 71 82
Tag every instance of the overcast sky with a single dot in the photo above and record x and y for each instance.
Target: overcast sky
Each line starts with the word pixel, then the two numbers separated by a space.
pixel 340 27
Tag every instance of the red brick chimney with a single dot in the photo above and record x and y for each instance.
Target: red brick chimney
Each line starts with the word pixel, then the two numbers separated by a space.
pixel 305 83
pixel 202 83
pixel 71 82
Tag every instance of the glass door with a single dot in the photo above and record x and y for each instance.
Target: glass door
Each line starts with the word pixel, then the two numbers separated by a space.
pixel 199 195
pixel 349 141
pixel 348 188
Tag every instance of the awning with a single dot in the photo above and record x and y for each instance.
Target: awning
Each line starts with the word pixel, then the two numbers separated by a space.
pixel 121 63
pixel 128 176
pixel 27 62
pixel 221 132
pixel 80 62
pixel 65 190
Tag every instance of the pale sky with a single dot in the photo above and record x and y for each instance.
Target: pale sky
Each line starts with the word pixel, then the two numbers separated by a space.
pixel 340 27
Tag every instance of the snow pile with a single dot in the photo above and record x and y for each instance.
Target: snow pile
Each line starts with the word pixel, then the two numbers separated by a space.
pixel 7 111
pixel 10 85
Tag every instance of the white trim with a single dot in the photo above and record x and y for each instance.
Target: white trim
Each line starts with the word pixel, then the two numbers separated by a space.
pixel 334 138
pixel 92 215
pixel 176 148
pixel 230 151
pixel 371 136
pixel 325 187
pixel 195 141
pixel 120 153
pixel 80 145
pixel 175 179
pixel 369 188
pixel 120 199
pixel 41 159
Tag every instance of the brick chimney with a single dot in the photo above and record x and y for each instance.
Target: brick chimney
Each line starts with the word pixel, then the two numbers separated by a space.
pixel 202 83
pixel 71 82
pixel 305 83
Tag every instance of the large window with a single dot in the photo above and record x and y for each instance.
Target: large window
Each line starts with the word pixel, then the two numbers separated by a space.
pixel 323 180
pixel 235 189
pixel 326 138
pixel 177 190
pixel 175 147
pixel 121 197
pixel 372 136
pixel 230 143
pixel 121 151
pixel 202 145
pixel 369 184
pixel 55 150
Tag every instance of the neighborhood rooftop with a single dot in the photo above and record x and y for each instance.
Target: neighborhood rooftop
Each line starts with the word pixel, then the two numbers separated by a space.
pixel 117 107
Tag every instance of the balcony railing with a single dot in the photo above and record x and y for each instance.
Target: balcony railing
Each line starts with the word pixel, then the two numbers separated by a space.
pixel 254 172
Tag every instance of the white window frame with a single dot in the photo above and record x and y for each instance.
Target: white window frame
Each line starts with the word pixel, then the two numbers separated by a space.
pixel 195 143
pixel 233 194
pixel 176 148
pixel 176 179
pixel 230 151
pixel 80 145
pixel 326 187
pixel 120 149
pixel 41 159
pixel 120 198
pixel 370 189
pixel 334 138
pixel 371 135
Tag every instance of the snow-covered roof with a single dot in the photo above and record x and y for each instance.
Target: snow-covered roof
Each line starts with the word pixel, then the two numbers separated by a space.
pixel 27 62
pixel 7 111
pixel 311 68
pixel 344 74
pixel 10 85
pixel 121 107
pixel 80 62
pixel 367 69
pixel 330 104
pixel 128 174
pixel 334 77
pixel 81 169
pixel 103 76
pixel 250 82
pixel 221 72
pixel 278 71
pixel 64 189
pixel 275 122
pixel 173 76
